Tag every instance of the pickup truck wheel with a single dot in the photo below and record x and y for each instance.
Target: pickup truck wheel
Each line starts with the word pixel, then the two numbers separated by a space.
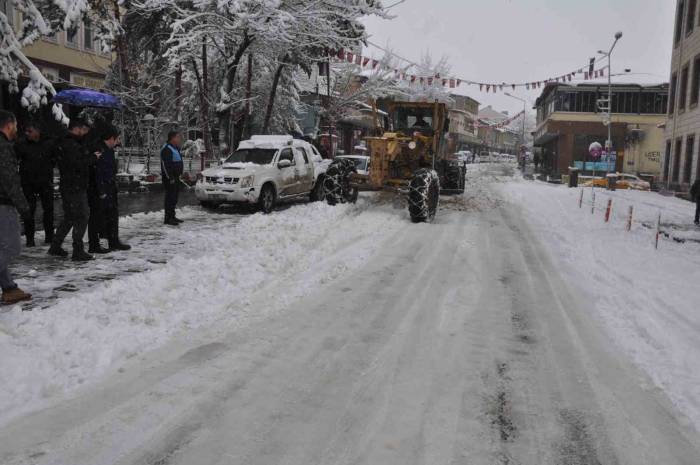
pixel 318 194
pixel 208 205
pixel 266 202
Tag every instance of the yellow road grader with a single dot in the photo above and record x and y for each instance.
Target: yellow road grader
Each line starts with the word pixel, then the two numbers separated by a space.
pixel 410 158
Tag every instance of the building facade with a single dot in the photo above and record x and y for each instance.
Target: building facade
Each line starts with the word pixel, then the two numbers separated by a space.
pixel 680 164
pixel 463 133
pixel 569 121
pixel 70 58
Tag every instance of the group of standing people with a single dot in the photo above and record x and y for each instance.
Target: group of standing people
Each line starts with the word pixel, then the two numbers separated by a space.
pixel 88 188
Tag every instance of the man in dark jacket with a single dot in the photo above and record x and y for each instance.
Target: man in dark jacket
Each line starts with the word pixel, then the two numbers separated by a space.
pixel 171 169
pixel 36 171
pixel 695 195
pixel 107 213
pixel 74 164
pixel 11 201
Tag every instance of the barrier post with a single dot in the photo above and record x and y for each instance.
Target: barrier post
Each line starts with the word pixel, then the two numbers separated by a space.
pixel 593 203
pixel 608 210
pixel 629 218
pixel 580 200
pixel 658 231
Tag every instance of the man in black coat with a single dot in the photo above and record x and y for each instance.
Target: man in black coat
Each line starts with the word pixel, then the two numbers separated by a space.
pixel 172 167
pixel 12 201
pixel 36 165
pixel 74 164
pixel 695 196
pixel 106 214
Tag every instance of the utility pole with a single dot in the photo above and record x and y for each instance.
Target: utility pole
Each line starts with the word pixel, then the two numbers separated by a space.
pixel 608 54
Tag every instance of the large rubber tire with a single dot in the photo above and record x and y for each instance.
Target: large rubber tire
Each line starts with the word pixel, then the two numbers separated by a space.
pixel 267 199
pixel 317 193
pixel 336 183
pixel 423 196
pixel 208 205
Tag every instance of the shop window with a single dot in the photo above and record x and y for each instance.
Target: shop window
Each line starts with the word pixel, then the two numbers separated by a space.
pixel 677 160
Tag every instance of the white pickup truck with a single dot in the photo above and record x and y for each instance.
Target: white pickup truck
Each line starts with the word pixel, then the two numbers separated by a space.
pixel 263 171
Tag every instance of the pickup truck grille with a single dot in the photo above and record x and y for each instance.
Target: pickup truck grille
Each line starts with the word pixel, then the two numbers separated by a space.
pixel 221 180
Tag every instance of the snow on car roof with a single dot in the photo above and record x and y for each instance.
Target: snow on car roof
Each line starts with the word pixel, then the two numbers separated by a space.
pixel 266 142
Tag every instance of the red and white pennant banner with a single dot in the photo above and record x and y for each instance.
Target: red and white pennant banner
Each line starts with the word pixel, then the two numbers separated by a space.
pixel 453 82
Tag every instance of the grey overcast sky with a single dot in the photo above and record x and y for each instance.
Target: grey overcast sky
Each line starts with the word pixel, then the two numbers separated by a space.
pixel 529 40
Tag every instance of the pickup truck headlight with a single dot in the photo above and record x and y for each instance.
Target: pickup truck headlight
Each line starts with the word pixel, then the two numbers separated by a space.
pixel 247 181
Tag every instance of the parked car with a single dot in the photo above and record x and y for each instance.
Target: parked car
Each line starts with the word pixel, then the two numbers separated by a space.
pixel 630 181
pixel 624 181
pixel 263 171
pixel 361 162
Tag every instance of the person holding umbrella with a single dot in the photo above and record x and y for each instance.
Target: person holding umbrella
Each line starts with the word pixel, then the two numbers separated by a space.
pixel 74 164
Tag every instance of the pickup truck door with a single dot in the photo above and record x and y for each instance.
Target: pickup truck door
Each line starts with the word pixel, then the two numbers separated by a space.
pixel 288 178
pixel 306 170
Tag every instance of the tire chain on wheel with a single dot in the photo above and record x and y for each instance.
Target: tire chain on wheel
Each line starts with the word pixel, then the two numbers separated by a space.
pixel 419 193
pixel 336 183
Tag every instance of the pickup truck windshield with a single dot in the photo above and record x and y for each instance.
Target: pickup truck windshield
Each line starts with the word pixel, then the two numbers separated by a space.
pixel 257 156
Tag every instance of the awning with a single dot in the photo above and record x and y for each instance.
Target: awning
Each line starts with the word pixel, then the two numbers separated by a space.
pixel 545 138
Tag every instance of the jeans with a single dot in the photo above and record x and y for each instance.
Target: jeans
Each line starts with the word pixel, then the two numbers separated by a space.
pixel 44 192
pixel 172 191
pixel 75 216
pixel 10 244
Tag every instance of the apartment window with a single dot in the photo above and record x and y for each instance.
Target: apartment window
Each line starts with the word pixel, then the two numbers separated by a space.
pixel 688 161
pixel 690 17
pixel 679 22
pixel 683 91
pixel 88 43
pixel 695 83
pixel 72 37
pixel 7 8
pixel 672 95
pixel 677 160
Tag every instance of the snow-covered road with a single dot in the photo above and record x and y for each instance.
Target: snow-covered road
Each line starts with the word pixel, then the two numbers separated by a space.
pixel 455 342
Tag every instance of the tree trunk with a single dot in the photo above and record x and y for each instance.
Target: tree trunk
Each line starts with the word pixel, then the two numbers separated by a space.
pixel 203 102
pixel 178 93
pixel 248 94
pixel 120 45
pixel 226 116
pixel 271 101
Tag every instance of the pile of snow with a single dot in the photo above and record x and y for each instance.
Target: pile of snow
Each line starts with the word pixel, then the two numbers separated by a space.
pixel 47 353
pixel 646 298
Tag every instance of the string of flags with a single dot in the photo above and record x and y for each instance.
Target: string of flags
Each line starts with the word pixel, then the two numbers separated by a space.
pixel 501 124
pixel 454 82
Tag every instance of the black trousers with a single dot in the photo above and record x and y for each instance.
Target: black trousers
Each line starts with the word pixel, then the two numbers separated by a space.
pixel 104 219
pixel 76 213
pixel 172 191
pixel 44 193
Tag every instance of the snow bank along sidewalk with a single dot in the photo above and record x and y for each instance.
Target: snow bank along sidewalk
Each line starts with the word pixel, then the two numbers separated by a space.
pixel 48 352
pixel 647 299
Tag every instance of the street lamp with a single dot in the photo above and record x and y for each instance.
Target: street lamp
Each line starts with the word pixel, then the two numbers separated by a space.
pixel 608 143
pixel 522 142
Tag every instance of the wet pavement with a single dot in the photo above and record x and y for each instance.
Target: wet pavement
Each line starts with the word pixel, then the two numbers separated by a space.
pixel 129 203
